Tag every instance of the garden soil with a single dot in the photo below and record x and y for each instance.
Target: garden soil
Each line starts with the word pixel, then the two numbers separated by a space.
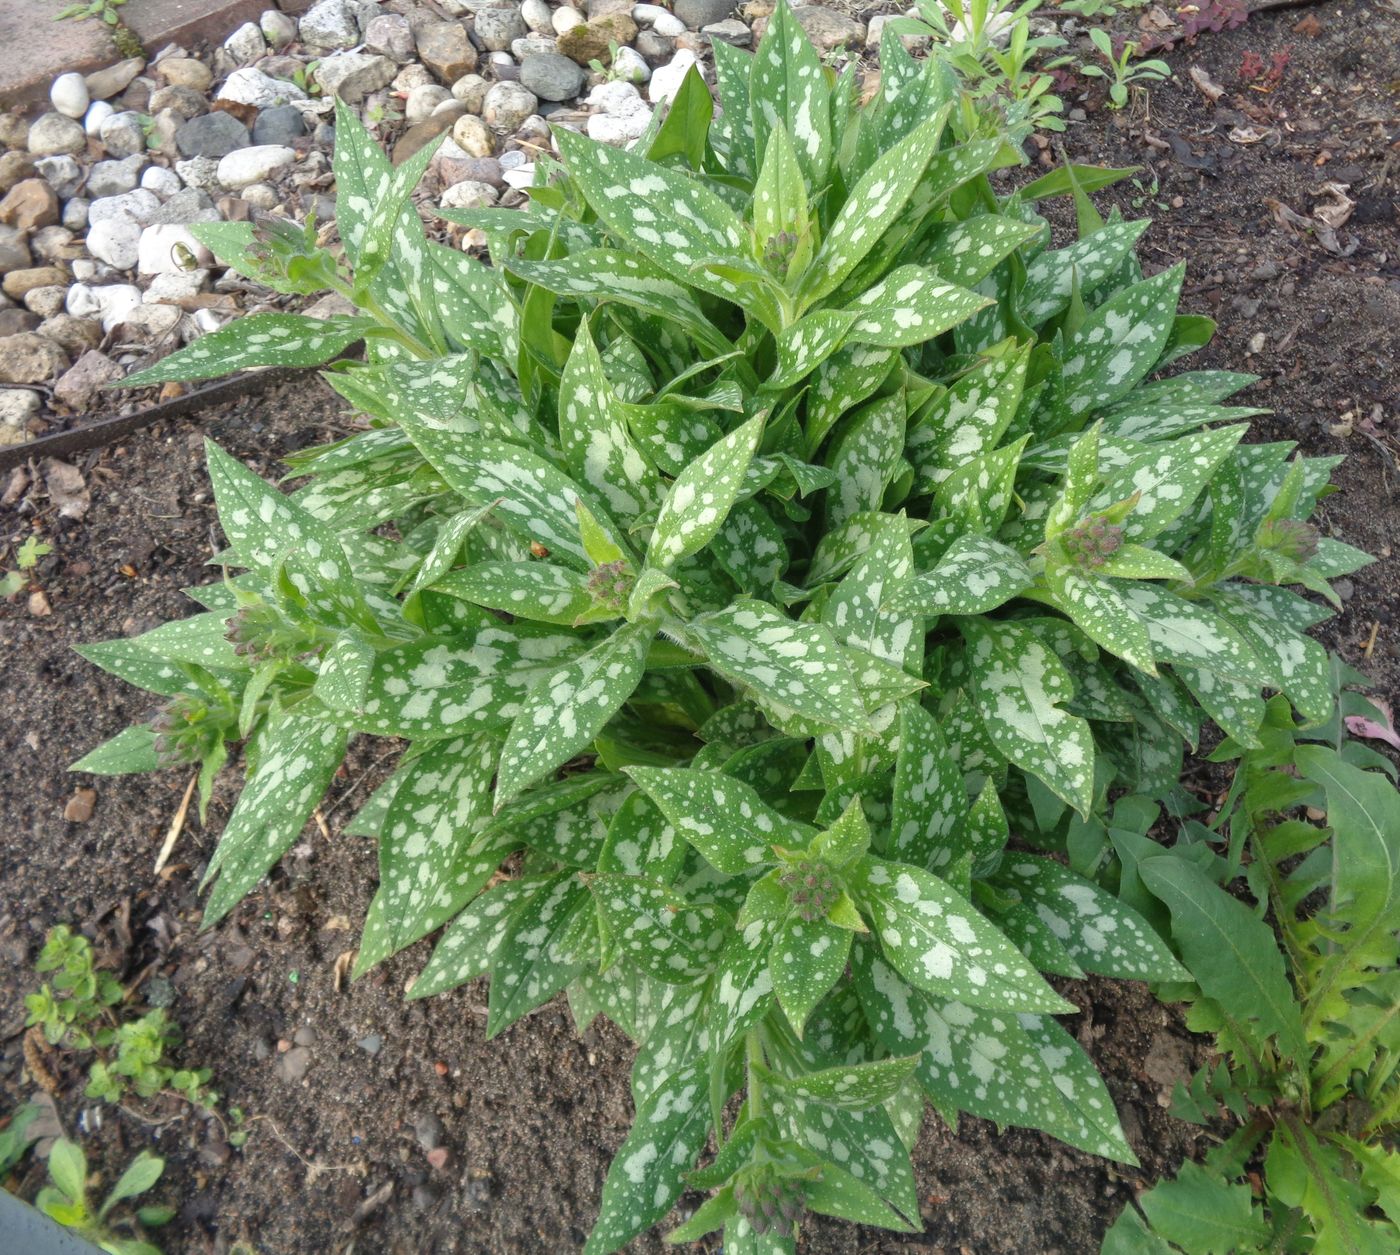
pixel 376 1125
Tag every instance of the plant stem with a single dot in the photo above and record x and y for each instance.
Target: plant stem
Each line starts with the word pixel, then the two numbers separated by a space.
pixel 753 1055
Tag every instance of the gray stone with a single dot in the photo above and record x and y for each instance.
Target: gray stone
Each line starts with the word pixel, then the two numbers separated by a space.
pixel 80 382
pixel 292 1065
pixel 446 50
pixel 507 105
pixel 252 165
pixel 829 30
pixel 185 72
pixel 184 102
pixel 473 136
pixel 75 215
pixel 533 46
pixel 46 301
pixel 98 112
pixel 631 67
pixel 106 83
pixel 122 134
pixel 138 207
pixel 468 194
pixel 330 24
pixel 54 244
pixel 69 95
pixel 111 178
pixel 115 241
pixel 55 133
pixel 470 89
pixel 731 31
pixel 566 18
pixel 198 172
pixel 422 101
pixel 279 29
pixel 173 287
pixel 353 75
pixel 151 322
pixel 497 25
pixel 655 47
pixel 14 320
pixel 30 358
pixel 662 21
pixel 17 406
pixel 246 44
pixel 390 35
pixel 279 125
pixel 63 174
pixel 697 14
pixel 250 86
pixel 538 16
pixel 551 76
pixel 164 183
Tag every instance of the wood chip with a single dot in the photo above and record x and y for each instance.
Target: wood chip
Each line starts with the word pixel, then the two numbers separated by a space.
pixel 1206 85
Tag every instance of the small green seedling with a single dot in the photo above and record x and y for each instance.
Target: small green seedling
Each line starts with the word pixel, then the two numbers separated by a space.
pixel 66 1200
pixel 1126 76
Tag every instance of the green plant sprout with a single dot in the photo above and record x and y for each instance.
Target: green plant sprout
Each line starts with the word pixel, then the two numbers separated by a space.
pixel 1127 75
pixel 66 1200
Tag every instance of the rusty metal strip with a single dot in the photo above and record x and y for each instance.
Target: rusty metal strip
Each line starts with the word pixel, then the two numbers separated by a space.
pixel 107 430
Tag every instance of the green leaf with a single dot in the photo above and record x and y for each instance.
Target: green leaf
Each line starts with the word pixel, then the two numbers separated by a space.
pixel 469 945
pixel 536 499
pixel 796 666
pixel 569 707
pixel 806 960
pixel 1089 179
pixel 257 340
pixel 1051 276
pixel 68 1169
pixel 427 867
pixel 837 1193
pixel 780 202
pixel 1189 634
pixel 865 458
pixel 1095 606
pixel 297 756
pixel 1018 685
pixel 131 750
pixel 602 274
pixel 269 531
pixel 723 818
pixel 910 305
pixel 965 253
pixel 1231 952
pixel 538 591
pixel 1201 1212
pixel 743 985
pixel 667 937
pixel 673 220
pixel 1169 478
pixel 930 798
pixel 856 1087
pixel 687 122
pixel 877 199
pixel 648 1171
pixel 1119 343
pixel 1101 933
pixel 787 90
pixel 702 495
pixel 976 575
pixel 533 961
pixel 141 1173
pixel 938 941
pixel 840 383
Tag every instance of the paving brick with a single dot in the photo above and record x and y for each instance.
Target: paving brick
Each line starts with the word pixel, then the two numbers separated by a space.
pixel 50 48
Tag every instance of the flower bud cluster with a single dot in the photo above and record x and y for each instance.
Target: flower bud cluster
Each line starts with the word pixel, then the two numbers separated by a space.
pixel 1092 543
pixel 258 633
pixel 610 585
pixel 812 889
pixel 771 1205
pixel 1290 538
pixel 181 730
pixel 778 251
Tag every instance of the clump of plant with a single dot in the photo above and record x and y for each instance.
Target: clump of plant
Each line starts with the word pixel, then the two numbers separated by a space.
pixel 78 1011
pixel 66 1200
pixel 778 525
pixel 21 576
pixel 108 12
pixel 1306 1012
pixel 1123 74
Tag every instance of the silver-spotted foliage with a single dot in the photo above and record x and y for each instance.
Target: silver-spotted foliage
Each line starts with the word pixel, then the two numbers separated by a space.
pixel 779 525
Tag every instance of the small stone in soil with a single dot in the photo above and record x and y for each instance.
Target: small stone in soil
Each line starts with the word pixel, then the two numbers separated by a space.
pixel 80 806
pixel 428 1130
pixel 211 135
pixel 292 1065
pixel 371 1045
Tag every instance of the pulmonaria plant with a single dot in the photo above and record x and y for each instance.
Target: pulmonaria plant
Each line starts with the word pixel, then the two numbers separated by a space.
pixel 778 525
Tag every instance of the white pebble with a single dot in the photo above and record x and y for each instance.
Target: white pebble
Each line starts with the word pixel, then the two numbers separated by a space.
pixel 164 183
pixel 98 112
pixel 252 165
pixel 566 18
pixel 170 249
pixel 666 81
pixel 69 94
pixel 115 241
